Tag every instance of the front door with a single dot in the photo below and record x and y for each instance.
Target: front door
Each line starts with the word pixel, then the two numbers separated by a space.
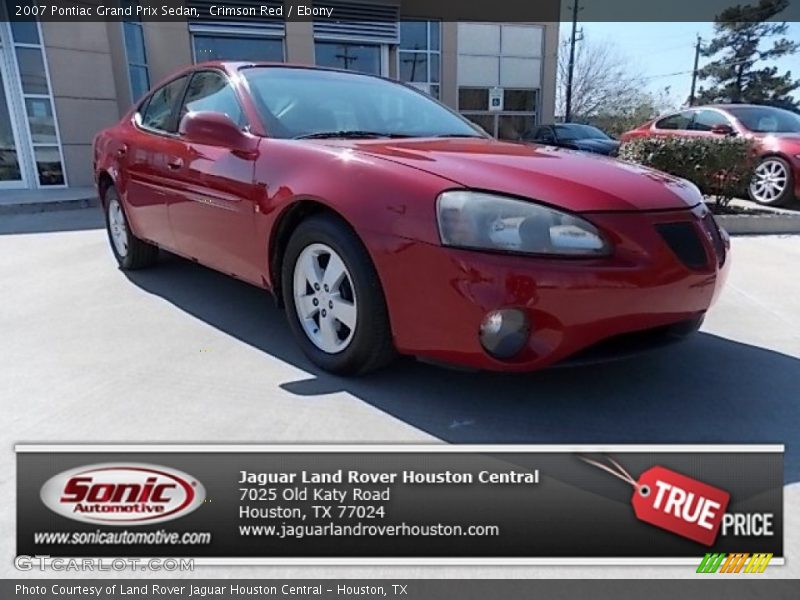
pixel 213 213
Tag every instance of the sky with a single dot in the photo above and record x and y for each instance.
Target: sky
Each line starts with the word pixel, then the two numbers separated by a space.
pixel 664 52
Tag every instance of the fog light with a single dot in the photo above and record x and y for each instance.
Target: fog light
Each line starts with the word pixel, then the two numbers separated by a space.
pixel 504 332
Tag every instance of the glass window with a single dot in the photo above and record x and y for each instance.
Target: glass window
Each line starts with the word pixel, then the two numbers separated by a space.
pixel 413 66
pixel 705 120
pixel 365 58
pixel 48 165
pixel 435 35
pixel 140 81
pixel 677 121
pixel 210 91
pixel 519 100
pixel 414 35
pixel 473 98
pixel 24 32
pixel 41 121
pixel 134 42
pixel 9 160
pixel 298 102
pixel 210 47
pixel 418 57
pixel 158 113
pixel 138 72
pixel 31 70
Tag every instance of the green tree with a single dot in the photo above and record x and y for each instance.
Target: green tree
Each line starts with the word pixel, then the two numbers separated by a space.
pixel 744 37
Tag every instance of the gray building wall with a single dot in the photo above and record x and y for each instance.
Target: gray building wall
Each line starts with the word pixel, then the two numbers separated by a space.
pixel 84 90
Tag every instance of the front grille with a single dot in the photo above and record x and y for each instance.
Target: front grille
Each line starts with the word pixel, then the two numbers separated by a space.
pixel 711 226
pixel 684 240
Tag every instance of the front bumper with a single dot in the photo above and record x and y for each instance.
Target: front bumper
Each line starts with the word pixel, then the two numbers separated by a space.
pixel 438 296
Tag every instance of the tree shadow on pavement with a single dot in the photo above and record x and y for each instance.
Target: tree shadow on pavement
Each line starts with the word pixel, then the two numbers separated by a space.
pixel 705 390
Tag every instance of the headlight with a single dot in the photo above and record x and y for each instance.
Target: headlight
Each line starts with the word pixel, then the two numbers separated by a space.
pixel 485 221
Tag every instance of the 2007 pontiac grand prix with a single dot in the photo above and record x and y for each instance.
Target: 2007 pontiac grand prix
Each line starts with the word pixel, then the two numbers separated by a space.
pixel 385 223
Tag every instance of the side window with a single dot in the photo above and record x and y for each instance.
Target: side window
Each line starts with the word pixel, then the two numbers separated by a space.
pixel 158 109
pixel 210 91
pixel 678 121
pixel 704 120
pixel 544 134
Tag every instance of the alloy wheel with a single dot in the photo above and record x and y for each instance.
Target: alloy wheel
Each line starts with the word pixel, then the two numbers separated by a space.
pixel 769 182
pixel 117 227
pixel 324 298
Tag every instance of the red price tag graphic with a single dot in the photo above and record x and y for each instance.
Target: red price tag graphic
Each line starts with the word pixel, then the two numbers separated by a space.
pixel 675 502
pixel 680 504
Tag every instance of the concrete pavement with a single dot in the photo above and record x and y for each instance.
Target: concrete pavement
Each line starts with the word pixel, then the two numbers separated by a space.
pixel 180 353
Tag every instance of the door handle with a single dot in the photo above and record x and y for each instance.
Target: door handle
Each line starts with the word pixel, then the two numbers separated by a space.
pixel 175 163
pixel 122 151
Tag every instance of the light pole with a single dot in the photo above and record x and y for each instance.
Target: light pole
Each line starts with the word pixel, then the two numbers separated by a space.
pixel 571 68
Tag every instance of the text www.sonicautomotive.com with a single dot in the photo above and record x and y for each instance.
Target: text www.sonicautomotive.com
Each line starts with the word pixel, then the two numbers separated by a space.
pixel 124 537
pixel 286 530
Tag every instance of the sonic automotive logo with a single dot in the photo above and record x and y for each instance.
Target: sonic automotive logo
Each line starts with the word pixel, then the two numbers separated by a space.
pixel 122 494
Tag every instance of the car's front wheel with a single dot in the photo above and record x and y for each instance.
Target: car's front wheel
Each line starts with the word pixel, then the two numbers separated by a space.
pixel 772 182
pixel 131 252
pixel 334 301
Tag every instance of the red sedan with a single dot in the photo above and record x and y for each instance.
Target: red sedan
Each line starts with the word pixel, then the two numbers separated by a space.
pixel 385 223
pixel 776 131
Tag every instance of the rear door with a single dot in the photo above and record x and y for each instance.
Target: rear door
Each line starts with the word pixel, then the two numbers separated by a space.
pixel 148 155
pixel 213 215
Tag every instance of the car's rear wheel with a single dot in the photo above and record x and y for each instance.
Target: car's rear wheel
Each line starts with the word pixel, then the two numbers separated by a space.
pixel 334 301
pixel 131 252
pixel 772 182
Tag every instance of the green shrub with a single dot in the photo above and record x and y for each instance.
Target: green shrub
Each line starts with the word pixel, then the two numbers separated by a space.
pixel 720 166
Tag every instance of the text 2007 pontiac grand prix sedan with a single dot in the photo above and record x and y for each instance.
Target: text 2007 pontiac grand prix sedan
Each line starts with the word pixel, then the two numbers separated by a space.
pixel 385 223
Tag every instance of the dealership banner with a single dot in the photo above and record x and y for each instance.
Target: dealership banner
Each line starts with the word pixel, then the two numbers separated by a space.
pixel 405 589
pixel 404 504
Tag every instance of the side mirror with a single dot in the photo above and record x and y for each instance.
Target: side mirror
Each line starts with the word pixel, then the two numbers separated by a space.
pixel 722 129
pixel 216 129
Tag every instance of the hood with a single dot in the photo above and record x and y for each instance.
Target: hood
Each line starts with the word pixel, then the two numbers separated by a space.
pixel 576 181
pixel 595 145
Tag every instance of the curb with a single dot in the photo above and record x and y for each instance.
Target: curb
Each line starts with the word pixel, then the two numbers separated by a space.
pixel 769 224
pixel 27 208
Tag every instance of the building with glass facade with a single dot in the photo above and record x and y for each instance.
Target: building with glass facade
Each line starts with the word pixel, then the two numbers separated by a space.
pixel 62 82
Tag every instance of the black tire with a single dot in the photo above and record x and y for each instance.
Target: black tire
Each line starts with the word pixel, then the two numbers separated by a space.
pixel 140 254
pixel 787 196
pixel 371 345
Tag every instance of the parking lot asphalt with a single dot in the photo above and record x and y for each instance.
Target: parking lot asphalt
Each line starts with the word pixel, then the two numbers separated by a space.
pixel 180 353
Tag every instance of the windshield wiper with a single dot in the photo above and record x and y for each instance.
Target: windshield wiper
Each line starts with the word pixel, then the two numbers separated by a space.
pixel 349 133
pixel 458 135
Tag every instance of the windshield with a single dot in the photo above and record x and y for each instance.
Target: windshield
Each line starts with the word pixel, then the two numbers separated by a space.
pixel 297 102
pixel 579 132
pixel 766 119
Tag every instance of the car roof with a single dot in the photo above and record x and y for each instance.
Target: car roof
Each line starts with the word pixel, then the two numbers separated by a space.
pixel 231 66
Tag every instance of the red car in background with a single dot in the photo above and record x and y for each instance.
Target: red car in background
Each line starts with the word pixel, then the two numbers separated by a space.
pixel 776 131
pixel 386 223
